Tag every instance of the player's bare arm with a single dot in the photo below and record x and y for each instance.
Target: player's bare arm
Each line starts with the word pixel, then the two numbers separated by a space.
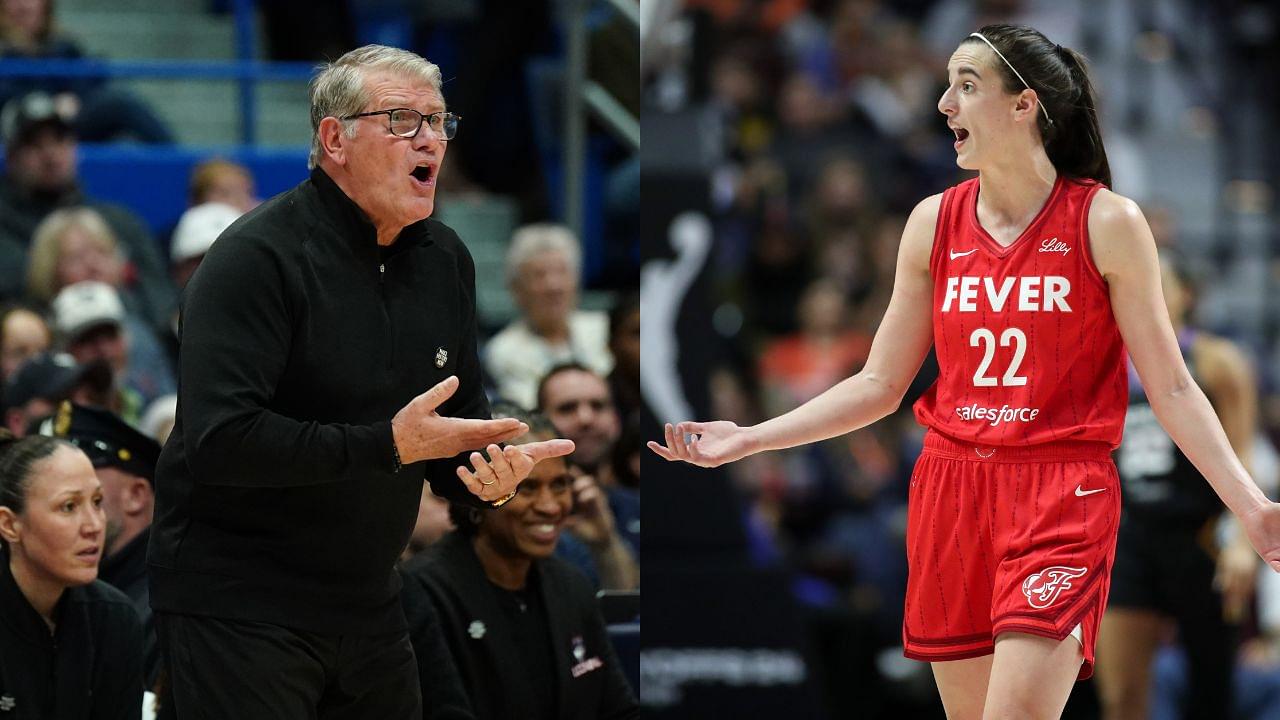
pixel 1125 253
pixel 899 348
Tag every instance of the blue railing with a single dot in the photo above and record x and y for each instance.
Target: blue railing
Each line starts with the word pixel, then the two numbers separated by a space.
pixel 248 72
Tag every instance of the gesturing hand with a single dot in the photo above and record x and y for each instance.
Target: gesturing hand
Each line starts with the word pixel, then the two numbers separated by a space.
pixel 712 443
pixel 1235 576
pixel 592 521
pixel 1263 528
pixel 423 434
pixel 497 477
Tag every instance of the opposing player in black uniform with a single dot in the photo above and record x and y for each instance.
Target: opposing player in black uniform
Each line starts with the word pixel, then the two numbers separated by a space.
pixel 1168 563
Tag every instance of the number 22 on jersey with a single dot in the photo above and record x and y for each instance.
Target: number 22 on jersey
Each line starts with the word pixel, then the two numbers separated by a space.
pixel 987 340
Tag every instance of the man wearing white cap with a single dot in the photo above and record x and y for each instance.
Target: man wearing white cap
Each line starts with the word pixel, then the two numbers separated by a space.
pixel 194 235
pixel 198 227
pixel 93 326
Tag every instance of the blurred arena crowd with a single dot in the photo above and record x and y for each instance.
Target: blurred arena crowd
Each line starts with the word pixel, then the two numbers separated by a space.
pixel 821 118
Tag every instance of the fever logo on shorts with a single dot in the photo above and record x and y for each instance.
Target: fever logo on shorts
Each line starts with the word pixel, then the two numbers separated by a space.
pixel 1042 588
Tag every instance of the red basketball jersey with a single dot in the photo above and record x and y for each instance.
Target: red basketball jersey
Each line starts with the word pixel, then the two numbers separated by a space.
pixel 1027 347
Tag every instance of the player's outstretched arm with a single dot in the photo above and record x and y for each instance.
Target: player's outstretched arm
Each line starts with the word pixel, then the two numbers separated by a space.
pixel 1125 253
pixel 899 348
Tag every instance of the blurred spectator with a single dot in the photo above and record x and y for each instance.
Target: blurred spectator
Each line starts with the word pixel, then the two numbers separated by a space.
pixel 624 345
pixel 797 368
pixel 808 133
pixel 38 385
pixel 593 523
pixel 75 244
pixel 70 645
pixel 625 458
pixel 223 181
pixel 840 201
pixel 100 112
pixel 40 163
pixel 433 522
pixel 897 92
pixel 882 257
pixel 157 421
pixel 125 463
pixel 577 402
pixel 522 626
pixel 1164 224
pixel 776 275
pixel 197 229
pixel 740 93
pixel 93 325
pixel 23 334
pixel 543 267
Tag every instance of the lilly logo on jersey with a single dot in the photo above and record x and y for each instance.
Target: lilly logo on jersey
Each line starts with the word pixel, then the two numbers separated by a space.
pixel 1055 245
pixel 1034 293
pixel 1043 588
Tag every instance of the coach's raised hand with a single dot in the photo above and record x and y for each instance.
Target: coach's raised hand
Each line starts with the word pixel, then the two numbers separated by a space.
pixel 421 433
pixel 497 477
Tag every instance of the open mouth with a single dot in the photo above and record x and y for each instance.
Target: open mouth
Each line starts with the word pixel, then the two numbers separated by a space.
pixel 961 135
pixel 90 554
pixel 423 174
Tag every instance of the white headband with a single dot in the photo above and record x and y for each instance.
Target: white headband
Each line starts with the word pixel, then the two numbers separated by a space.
pixel 1015 72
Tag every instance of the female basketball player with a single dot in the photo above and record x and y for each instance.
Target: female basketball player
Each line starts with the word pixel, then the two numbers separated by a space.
pixel 1030 281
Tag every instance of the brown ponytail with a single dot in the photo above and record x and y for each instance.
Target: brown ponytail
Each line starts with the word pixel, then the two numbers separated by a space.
pixel 1073 140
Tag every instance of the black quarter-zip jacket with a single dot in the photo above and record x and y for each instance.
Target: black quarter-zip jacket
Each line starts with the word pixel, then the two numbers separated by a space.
pixel 89 668
pixel 277 498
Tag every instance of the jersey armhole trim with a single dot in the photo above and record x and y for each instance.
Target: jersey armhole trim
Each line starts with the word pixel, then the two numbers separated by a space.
pixel 944 205
pixel 1091 268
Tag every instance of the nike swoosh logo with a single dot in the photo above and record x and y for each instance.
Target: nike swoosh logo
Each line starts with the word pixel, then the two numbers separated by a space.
pixel 1081 492
pixel 955 254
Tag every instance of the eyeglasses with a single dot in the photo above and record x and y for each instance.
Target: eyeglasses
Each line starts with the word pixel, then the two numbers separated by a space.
pixel 406 122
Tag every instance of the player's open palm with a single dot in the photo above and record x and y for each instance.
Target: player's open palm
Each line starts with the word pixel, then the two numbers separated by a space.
pixel 710 444
pixel 1263 528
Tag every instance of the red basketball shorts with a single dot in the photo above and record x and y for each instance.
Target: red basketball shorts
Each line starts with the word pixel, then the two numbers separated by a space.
pixel 1008 539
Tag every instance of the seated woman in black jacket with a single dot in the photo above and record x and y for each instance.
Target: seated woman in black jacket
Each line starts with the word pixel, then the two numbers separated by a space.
pixel 70 645
pixel 522 626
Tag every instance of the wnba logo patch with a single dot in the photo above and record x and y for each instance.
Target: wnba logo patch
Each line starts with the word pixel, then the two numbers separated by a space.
pixel 1042 588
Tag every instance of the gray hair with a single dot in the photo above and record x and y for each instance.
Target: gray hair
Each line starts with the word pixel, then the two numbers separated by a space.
pixel 537 238
pixel 338 90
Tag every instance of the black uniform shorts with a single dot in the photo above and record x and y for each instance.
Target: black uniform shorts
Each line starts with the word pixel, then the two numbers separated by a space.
pixel 1164 568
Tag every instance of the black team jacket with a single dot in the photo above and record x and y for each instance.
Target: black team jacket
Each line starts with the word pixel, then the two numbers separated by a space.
pixel 277 498
pixel 126 571
pixel 446 584
pixel 89 668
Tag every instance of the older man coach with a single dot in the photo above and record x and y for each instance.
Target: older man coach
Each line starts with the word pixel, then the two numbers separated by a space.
pixel 291 481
